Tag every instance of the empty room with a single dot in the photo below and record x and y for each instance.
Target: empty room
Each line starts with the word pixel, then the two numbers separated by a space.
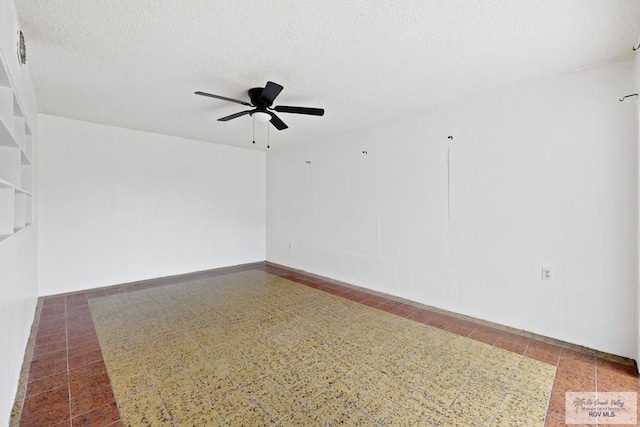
pixel 282 213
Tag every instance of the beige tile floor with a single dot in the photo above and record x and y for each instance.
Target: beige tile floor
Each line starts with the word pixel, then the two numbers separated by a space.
pixel 250 348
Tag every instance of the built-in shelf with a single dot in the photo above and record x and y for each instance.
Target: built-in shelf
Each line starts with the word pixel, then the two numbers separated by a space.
pixel 16 169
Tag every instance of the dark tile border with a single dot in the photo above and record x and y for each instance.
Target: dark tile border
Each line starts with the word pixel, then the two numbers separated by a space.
pixel 67 381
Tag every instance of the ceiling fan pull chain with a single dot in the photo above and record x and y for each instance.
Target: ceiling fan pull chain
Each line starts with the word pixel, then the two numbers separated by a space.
pixel 254 129
pixel 268 137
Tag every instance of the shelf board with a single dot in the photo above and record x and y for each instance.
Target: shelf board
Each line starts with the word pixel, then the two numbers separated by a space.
pixel 17 231
pixel 21 229
pixel 21 190
pixel 4 237
pixel 6 184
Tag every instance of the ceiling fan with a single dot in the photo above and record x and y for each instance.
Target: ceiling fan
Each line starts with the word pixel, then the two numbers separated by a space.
pixel 261 100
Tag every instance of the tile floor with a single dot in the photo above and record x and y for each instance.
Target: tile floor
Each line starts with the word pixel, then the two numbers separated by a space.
pixel 264 345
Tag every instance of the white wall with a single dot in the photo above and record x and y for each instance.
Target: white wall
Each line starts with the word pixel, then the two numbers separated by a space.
pixel 543 175
pixel 118 205
pixel 18 254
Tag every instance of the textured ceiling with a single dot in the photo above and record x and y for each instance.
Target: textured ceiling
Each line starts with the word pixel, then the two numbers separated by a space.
pixel 137 63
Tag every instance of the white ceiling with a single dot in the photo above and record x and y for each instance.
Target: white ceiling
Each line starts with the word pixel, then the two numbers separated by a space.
pixel 136 64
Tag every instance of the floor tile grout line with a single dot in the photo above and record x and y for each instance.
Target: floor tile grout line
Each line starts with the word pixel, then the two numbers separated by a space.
pixel 94 334
pixel 546 415
pixel 508 388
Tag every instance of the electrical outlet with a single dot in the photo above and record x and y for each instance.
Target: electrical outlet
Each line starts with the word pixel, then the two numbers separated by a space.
pixel 547 274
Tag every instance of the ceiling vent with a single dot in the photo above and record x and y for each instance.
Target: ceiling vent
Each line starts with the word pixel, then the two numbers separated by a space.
pixel 22 48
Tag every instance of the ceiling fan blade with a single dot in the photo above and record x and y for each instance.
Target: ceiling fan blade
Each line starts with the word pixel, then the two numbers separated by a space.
pixel 279 124
pixel 224 98
pixel 235 116
pixel 270 92
pixel 299 110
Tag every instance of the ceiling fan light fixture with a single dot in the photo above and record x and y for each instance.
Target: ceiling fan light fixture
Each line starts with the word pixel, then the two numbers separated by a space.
pixel 261 116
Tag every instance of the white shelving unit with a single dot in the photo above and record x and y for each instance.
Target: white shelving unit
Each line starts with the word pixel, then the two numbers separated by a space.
pixel 16 169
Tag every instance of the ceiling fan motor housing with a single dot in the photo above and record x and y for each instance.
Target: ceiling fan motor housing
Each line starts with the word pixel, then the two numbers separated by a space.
pixel 255 94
